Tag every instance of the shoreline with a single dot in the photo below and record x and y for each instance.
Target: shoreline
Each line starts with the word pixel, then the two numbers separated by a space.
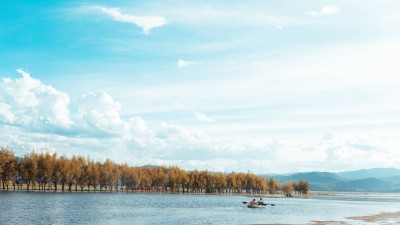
pixel 310 195
pixel 386 218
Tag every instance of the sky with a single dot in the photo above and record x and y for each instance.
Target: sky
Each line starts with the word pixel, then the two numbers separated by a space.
pixel 260 86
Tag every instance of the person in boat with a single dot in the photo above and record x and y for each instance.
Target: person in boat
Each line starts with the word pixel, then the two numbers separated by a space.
pixel 261 202
pixel 253 203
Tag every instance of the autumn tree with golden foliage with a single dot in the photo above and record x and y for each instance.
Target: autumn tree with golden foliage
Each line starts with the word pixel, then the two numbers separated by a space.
pixel 49 171
pixel 7 167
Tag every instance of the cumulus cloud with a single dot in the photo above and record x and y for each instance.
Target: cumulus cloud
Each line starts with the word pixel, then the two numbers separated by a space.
pixel 5 113
pixel 28 102
pixel 31 105
pixel 145 22
pixel 178 133
pixel 138 127
pixel 325 11
pixel 100 111
pixel 185 63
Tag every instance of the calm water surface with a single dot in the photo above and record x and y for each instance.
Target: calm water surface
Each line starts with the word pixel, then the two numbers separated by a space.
pixel 128 208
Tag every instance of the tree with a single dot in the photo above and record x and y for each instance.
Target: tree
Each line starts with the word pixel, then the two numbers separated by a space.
pixel 115 177
pixel 184 179
pixel 273 186
pixel 17 174
pixel 74 172
pixel 7 165
pixel 132 178
pixel 303 187
pixel 145 178
pixel 288 189
pixel 64 171
pixel 202 181
pixel 241 182
pixel 82 179
pixel 124 170
pixel 232 183
pixel 106 170
pixel 221 182
pixel 194 180
pixel 45 169
pixel 160 178
pixel 56 172
pixel 29 169
pixel 92 174
pixel 249 182
pixel 173 178
pixel 260 184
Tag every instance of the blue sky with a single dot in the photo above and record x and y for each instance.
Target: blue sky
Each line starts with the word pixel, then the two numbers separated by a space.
pixel 261 86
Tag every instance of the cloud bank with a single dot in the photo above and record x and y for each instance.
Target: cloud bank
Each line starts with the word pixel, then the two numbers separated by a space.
pixel 37 116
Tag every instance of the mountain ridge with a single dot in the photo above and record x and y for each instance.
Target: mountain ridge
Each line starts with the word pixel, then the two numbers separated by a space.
pixel 374 180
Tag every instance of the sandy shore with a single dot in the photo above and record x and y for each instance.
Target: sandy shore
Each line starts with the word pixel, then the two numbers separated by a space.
pixel 392 218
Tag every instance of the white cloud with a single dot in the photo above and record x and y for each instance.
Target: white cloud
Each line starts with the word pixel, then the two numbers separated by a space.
pixel 216 16
pixel 139 127
pixel 199 116
pixel 203 117
pixel 28 102
pixel 101 112
pixel 145 22
pixel 325 11
pixel 329 10
pixel 5 113
pixel 185 63
pixel 178 133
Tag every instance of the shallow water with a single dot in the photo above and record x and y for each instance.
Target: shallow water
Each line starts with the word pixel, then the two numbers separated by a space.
pixel 132 208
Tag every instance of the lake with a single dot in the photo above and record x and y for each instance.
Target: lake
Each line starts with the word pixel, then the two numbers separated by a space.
pixel 134 208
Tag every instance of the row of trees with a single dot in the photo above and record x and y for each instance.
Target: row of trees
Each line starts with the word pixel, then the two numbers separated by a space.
pixel 45 171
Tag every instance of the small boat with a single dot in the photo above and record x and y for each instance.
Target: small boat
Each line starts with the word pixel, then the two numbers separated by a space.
pixel 257 206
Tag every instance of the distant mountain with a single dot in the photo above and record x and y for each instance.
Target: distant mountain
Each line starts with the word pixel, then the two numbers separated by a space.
pixel 348 181
pixel 367 173
pixel 318 180
pixel 369 184
pixel 394 179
